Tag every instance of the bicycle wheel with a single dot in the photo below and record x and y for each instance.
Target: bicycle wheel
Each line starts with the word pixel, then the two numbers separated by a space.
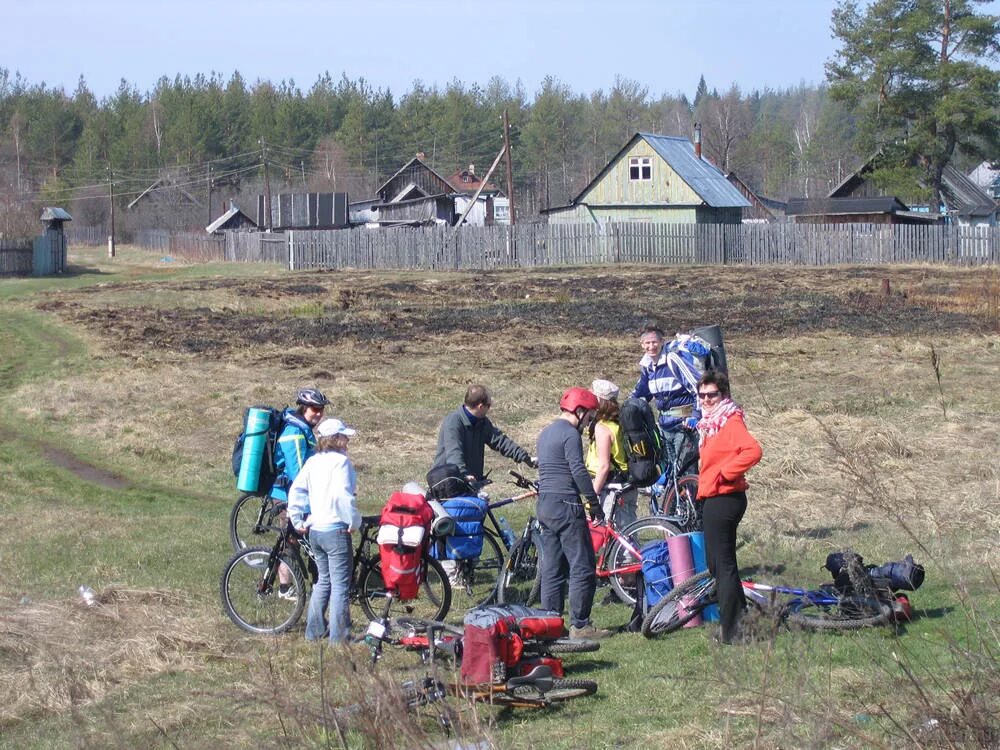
pixel 249 590
pixel 680 504
pixel 519 580
pixel 568 646
pixel 432 603
pixel 848 613
pixel 680 605
pixel 253 521
pixel 564 690
pixel 624 560
pixel 474 581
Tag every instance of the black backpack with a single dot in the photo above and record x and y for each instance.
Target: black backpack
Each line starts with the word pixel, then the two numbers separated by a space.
pixel 445 481
pixel 268 464
pixel 642 441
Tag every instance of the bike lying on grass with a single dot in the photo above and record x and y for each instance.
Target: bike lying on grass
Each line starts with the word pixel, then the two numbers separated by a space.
pixel 861 601
pixel 250 591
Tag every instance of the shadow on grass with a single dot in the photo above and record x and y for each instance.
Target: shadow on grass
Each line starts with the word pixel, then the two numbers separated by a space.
pixel 825 532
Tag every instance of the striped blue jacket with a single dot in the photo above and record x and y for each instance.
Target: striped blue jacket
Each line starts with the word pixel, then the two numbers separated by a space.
pixel 672 380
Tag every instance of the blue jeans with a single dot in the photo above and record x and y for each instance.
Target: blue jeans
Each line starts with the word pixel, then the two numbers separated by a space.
pixel 334 560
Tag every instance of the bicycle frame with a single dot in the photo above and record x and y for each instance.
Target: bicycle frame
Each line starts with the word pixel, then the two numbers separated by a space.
pixel 766 596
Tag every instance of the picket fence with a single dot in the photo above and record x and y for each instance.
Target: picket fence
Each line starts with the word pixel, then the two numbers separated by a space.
pixel 531 245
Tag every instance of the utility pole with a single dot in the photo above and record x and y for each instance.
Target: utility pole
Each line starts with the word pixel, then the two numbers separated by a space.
pixel 209 193
pixel 507 163
pixel 267 185
pixel 111 200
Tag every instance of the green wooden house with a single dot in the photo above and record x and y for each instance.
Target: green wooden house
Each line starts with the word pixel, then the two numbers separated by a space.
pixel 656 179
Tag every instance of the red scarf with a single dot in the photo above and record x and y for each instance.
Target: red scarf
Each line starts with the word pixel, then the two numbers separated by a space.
pixel 713 419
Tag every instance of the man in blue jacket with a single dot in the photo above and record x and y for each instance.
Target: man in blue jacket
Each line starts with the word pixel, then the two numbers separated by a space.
pixel 296 443
pixel 669 375
pixel 465 433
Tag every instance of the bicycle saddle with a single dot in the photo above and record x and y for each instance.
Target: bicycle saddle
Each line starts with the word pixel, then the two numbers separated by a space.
pixel 539 678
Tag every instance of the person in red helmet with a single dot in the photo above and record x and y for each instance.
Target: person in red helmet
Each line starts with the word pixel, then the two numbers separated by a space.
pixel 565 497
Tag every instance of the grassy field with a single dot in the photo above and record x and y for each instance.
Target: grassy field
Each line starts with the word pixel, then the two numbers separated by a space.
pixel 124 383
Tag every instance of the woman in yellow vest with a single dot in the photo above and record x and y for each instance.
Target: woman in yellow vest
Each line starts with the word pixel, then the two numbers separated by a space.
pixel 605 459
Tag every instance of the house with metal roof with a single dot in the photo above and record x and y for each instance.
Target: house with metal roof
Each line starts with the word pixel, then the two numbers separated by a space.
pixel 655 178
pixel 963 202
pixel 762 210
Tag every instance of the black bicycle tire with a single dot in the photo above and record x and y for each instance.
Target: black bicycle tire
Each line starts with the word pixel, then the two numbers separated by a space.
pixel 238 614
pixel 658 622
pixel 617 550
pixel 516 565
pixel 843 616
pixel 566 646
pixel 372 571
pixel 687 482
pixel 459 596
pixel 567 689
pixel 238 540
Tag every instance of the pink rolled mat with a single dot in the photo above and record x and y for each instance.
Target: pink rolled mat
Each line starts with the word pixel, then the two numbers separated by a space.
pixel 681 568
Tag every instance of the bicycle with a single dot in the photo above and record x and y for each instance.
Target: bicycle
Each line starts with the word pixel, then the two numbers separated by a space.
pixel 252 519
pixel 674 494
pixel 619 556
pixel 474 580
pixel 249 582
pixel 823 608
pixel 430 638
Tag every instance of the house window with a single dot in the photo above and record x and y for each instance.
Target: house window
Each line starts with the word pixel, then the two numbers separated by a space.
pixel 640 168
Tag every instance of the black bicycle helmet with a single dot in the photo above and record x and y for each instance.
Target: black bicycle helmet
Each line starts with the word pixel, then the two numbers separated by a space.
pixel 311 397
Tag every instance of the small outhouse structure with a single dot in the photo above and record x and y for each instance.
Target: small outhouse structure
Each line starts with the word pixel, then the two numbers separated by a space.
pixel 49 250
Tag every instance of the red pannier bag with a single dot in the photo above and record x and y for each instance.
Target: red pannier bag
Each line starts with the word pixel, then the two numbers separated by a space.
pixel 404 528
pixel 599 534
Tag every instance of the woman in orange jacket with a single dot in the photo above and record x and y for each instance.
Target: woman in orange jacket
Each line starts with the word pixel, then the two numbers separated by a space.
pixel 727 450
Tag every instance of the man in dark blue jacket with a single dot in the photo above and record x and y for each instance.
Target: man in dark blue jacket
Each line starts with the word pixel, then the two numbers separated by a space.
pixel 465 433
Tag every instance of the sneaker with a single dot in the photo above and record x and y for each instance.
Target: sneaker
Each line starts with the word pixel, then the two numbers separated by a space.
pixel 587 633
pixel 289 593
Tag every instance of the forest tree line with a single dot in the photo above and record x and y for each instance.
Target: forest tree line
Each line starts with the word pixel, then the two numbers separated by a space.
pixel 910 77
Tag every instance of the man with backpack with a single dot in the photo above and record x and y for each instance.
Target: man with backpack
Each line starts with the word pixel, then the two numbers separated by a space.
pixel 566 549
pixel 465 433
pixel 295 444
pixel 669 375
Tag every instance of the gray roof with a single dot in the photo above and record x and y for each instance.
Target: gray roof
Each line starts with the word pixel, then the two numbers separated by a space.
pixel 705 178
pixel 50 213
pixel 229 214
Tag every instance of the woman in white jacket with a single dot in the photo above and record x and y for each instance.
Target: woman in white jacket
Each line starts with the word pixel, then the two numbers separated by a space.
pixel 323 502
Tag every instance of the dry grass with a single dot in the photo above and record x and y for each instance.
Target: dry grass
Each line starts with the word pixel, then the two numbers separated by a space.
pixel 867 443
pixel 58 655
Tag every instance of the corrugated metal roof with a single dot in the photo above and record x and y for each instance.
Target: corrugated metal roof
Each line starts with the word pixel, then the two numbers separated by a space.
pixel 705 178
pixel 50 213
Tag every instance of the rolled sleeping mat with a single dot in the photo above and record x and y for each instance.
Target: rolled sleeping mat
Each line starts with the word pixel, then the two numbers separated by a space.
pixel 711 612
pixel 254 443
pixel 681 567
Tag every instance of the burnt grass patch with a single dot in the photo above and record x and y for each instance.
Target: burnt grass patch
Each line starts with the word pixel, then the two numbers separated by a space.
pixel 366 309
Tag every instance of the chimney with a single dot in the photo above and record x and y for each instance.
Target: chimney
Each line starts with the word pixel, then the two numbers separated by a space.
pixel 420 155
pixel 697 140
pixel 472 169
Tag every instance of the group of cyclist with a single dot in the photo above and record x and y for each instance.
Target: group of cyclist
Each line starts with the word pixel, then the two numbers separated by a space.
pixel 571 484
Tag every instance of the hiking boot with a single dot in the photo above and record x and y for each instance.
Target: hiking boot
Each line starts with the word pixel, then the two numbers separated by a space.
pixel 587 633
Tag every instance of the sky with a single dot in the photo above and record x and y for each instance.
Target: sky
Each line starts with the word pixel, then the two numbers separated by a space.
pixel 664 45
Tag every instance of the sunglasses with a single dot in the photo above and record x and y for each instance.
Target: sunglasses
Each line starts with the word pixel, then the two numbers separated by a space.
pixel 710 394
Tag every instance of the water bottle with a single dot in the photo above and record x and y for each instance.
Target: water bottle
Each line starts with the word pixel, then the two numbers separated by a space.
pixel 508 533
pixel 88 595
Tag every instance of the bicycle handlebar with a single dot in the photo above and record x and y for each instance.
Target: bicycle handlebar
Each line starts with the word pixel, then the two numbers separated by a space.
pixel 522 481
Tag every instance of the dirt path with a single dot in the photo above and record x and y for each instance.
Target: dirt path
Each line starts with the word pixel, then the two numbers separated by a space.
pixel 69 462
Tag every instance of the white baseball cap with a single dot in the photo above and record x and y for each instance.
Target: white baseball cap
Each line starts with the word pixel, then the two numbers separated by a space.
pixel 604 389
pixel 332 426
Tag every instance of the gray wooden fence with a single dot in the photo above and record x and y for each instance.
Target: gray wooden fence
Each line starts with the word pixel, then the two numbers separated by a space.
pixel 16 257
pixel 529 245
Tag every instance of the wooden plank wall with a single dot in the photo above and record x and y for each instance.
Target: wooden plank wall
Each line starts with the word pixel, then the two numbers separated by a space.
pixel 529 245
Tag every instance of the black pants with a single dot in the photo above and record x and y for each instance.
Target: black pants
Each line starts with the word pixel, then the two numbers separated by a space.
pixel 567 553
pixel 722 516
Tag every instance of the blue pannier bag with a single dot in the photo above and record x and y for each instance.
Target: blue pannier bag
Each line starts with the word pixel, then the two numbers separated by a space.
pixel 467 541
pixel 655 571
